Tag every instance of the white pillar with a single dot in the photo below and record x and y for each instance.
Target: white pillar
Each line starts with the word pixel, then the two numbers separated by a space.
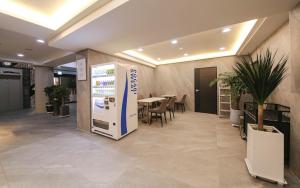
pixel 43 78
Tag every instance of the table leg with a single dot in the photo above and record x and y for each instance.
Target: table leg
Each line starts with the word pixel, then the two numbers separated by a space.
pixel 148 113
pixel 146 119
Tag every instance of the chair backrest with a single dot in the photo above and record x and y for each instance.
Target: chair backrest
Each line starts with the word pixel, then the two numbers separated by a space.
pixel 140 97
pixel 183 98
pixel 163 105
pixel 171 103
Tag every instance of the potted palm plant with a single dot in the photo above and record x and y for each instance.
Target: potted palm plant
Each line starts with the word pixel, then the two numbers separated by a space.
pixel 237 87
pixel 265 152
pixel 61 94
pixel 49 93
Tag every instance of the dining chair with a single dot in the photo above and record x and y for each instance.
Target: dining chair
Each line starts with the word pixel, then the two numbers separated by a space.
pixel 141 106
pixel 159 112
pixel 141 111
pixel 171 107
pixel 181 103
pixel 140 97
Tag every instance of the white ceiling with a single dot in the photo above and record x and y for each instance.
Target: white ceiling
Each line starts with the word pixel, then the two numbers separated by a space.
pixel 12 43
pixel 17 35
pixel 50 14
pixel 113 26
pixel 265 30
pixel 207 44
pixel 43 7
pixel 143 22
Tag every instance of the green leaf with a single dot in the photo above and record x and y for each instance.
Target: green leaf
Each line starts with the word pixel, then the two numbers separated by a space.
pixel 262 75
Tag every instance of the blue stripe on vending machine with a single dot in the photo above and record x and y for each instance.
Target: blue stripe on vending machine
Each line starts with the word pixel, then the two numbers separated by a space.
pixel 124 109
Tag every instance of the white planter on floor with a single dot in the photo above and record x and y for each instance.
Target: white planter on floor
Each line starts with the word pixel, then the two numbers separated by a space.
pixel 235 117
pixel 265 153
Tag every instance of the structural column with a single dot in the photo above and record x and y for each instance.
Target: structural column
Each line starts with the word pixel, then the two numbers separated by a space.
pixel 43 78
pixel 295 89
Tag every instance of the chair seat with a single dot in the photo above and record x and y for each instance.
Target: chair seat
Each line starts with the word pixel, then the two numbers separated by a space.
pixel 156 110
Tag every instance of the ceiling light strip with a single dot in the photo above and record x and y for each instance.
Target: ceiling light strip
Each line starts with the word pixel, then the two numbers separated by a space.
pixel 66 12
pixel 195 57
pixel 254 30
pixel 140 56
pixel 122 55
pixel 243 34
pixel 88 19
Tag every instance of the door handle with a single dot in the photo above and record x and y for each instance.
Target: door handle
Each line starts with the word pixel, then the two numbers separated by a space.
pixel 197 90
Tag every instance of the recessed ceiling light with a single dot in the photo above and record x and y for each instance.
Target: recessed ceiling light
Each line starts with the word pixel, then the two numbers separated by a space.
pixel 20 55
pixel 66 11
pixel 246 28
pixel 222 48
pixel 185 54
pixel 174 41
pixel 180 48
pixel 140 49
pixel 227 29
pixel 59 72
pixel 40 41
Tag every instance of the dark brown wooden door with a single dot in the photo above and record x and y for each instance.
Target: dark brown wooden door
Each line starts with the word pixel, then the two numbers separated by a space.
pixel 205 95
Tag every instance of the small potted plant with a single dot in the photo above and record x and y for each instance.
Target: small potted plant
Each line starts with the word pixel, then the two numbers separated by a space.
pixel 61 95
pixel 237 87
pixel 265 144
pixel 49 93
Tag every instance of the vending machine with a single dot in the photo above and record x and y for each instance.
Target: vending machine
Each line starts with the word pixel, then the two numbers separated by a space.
pixel 114 99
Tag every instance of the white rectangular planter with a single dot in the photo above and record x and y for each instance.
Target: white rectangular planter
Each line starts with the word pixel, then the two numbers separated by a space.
pixel 265 154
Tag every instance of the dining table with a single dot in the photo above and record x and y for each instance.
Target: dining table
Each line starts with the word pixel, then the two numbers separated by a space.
pixel 148 102
pixel 168 96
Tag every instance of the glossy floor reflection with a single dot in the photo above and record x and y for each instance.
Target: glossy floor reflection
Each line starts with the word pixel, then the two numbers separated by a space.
pixel 194 150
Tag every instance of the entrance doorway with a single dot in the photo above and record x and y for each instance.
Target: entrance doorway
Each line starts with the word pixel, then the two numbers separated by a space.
pixel 205 95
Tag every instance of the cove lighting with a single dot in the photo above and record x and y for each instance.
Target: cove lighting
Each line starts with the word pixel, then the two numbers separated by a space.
pixel 137 55
pixel 174 41
pixel 67 10
pixel 20 55
pixel 241 36
pixel 40 41
pixel 226 30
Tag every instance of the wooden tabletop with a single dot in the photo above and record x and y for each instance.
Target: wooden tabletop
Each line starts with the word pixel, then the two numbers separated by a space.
pixel 169 96
pixel 152 99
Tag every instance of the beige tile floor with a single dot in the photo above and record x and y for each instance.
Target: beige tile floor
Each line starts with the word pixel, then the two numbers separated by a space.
pixel 194 150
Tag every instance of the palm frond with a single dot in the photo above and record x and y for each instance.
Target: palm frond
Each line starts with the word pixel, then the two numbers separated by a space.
pixel 262 75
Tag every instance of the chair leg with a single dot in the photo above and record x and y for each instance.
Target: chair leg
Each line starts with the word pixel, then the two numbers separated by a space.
pixel 170 115
pixel 181 108
pixel 150 118
pixel 173 113
pixel 155 116
pixel 161 121
pixel 165 116
pixel 184 107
